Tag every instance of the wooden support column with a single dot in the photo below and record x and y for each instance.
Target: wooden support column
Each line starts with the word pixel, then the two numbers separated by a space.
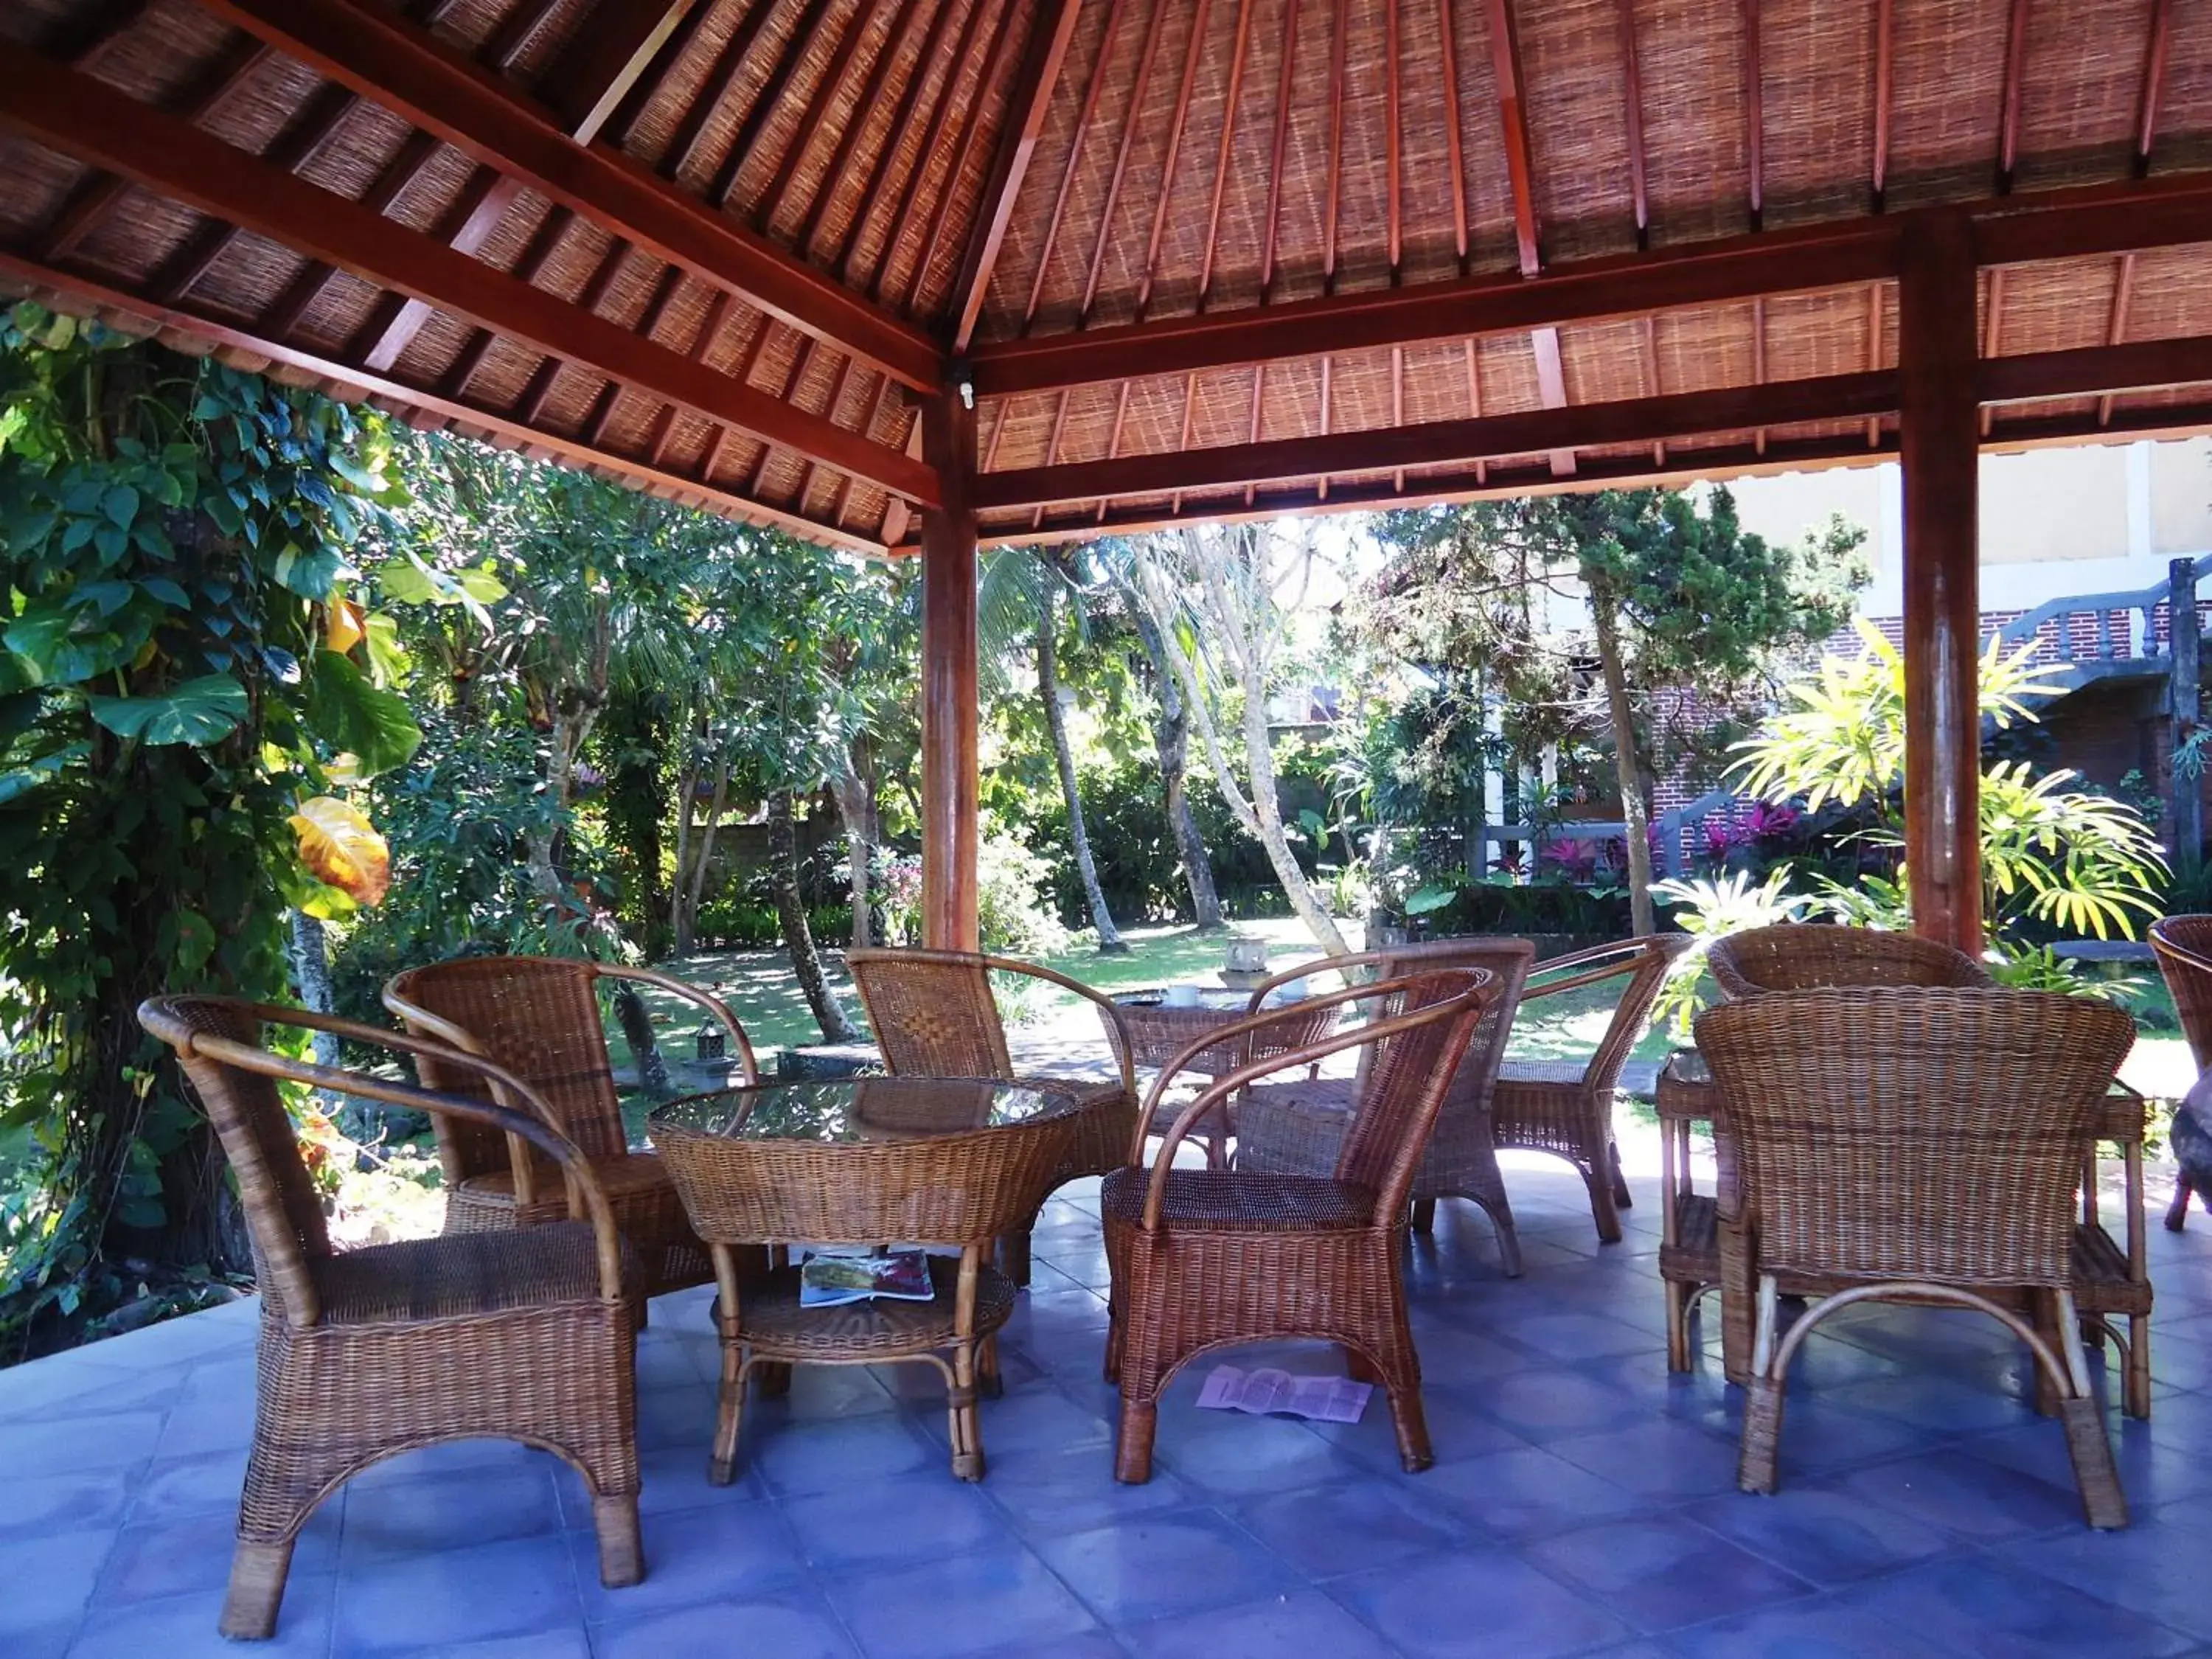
pixel 950 801
pixel 2183 638
pixel 1940 432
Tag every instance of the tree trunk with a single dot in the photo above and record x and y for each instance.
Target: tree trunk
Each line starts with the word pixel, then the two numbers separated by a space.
pixel 636 1022
pixel 1055 720
pixel 694 885
pixel 1260 763
pixel 856 806
pixel 805 960
pixel 309 951
pixel 1627 765
pixel 1171 738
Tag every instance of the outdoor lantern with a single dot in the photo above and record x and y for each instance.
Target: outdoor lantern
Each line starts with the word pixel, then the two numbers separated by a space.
pixel 710 1042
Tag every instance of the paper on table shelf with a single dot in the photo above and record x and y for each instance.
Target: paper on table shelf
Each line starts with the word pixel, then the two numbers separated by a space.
pixel 1325 1399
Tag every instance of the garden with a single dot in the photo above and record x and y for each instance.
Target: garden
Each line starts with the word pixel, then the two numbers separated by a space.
pixel 292 696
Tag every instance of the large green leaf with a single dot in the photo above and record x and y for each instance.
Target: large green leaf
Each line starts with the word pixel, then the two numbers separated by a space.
pixel 201 711
pixel 355 718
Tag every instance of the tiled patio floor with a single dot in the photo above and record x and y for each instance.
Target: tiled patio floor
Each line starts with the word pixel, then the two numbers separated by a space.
pixel 1582 1500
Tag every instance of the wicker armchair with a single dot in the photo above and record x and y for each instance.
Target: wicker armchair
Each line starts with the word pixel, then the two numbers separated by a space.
pixel 527 1335
pixel 934 1015
pixel 1808 957
pixel 1921 1144
pixel 538 1017
pixel 1564 1108
pixel 1296 1128
pixel 2183 945
pixel 1202 1259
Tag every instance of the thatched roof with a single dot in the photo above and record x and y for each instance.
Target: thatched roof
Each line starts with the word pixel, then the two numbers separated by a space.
pixel 788 217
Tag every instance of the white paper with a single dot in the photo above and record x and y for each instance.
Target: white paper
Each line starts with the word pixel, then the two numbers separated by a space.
pixel 1323 1399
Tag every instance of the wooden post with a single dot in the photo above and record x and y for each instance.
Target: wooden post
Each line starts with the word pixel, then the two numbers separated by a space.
pixel 950 803
pixel 1939 418
pixel 2184 640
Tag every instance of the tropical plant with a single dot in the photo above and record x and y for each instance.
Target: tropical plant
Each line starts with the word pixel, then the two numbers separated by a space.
pixel 188 659
pixel 2052 853
pixel 1708 908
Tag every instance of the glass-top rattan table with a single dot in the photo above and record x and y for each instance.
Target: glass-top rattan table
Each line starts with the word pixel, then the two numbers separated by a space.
pixel 882 1160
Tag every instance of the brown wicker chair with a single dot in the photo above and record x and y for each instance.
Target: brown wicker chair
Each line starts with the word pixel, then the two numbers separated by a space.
pixel 1203 1259
pixel 2183 946
pixel 934 1015
pixel 1919 1145
pixel 1566 1108
pixel 1297 1128
pixel 528 1335
pixel 538 1017
pixel 1810 956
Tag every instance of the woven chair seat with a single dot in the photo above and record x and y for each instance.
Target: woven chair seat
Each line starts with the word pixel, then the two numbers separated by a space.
pixel 633 1180
pixel 458 1274
pixel 1223 1201
pixel 1564 1074
pixel 774 1326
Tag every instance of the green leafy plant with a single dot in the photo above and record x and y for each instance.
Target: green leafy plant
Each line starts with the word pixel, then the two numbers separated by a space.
pixel 1710 909
pixel 2053 854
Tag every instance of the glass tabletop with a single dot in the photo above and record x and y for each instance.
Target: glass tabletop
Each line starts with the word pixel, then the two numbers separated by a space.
pixel 853 1109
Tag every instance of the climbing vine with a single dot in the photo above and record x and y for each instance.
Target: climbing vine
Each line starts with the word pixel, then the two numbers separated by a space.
pixel 187 659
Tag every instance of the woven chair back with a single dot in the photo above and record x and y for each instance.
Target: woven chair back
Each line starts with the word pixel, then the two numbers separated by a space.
pixel 1897 1133
pixel 537 1017
pixel 2183 946
pixel 1640 965
pixel 284 1211
pixel 1809 956
pixel 933 1012
pixel 1507 962
pixel 1408 1074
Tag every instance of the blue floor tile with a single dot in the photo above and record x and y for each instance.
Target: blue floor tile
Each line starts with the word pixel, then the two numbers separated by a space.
pixel 1662 1571
pixel 1136 1571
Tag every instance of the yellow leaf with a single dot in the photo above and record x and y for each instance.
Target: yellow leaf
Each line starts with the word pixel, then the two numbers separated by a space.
pixel 345 627
pixel 342 848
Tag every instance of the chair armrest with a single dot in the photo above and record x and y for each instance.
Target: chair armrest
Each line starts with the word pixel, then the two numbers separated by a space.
pixel 453 1039
pixel 1117 1032
pixel 537 1126
pixel 1354 1037
pixel 715 1008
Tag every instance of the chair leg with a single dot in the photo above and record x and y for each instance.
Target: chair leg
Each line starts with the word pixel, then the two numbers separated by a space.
pixel 1677 1325
pixel 1758 1465
pixel 966 1429
pixel 1014 1256
pixel 1604 1206
pixel 1424 1215
pixel 256 1590
pixel 2177 1213
pixel 1359 1368
pixel 1622 1197
pixel 1509 1237
pixel 774 1378
pixel 988 1382
pixel 729 1415
pixel 2134 1398
pixel 2088 1446
pixel 622 1555
pixel 1132 1447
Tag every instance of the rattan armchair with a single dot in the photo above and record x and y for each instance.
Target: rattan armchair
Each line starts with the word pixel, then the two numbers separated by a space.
pixel 934 1015
pixel 2183 946
pixel 1796 956
pixel 538 1017
pixel 1919 1145
pixel 1297 1128
pixel 527 1335
pixel 1565 1106
pixel 1203 1259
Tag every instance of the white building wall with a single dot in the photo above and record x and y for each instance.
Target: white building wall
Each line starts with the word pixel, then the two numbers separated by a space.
pixel 2055 523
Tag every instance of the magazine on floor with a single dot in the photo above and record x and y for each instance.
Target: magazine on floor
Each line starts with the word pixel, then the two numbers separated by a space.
pixel 1324 1399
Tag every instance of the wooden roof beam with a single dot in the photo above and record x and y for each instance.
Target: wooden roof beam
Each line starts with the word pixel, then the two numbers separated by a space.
pixel 409 72
pixel 1436 443
pixel 1026 108
pixel 349 380
pixel 92 121
pixel 2009 230
pixel 2097 371
pixel 605 59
